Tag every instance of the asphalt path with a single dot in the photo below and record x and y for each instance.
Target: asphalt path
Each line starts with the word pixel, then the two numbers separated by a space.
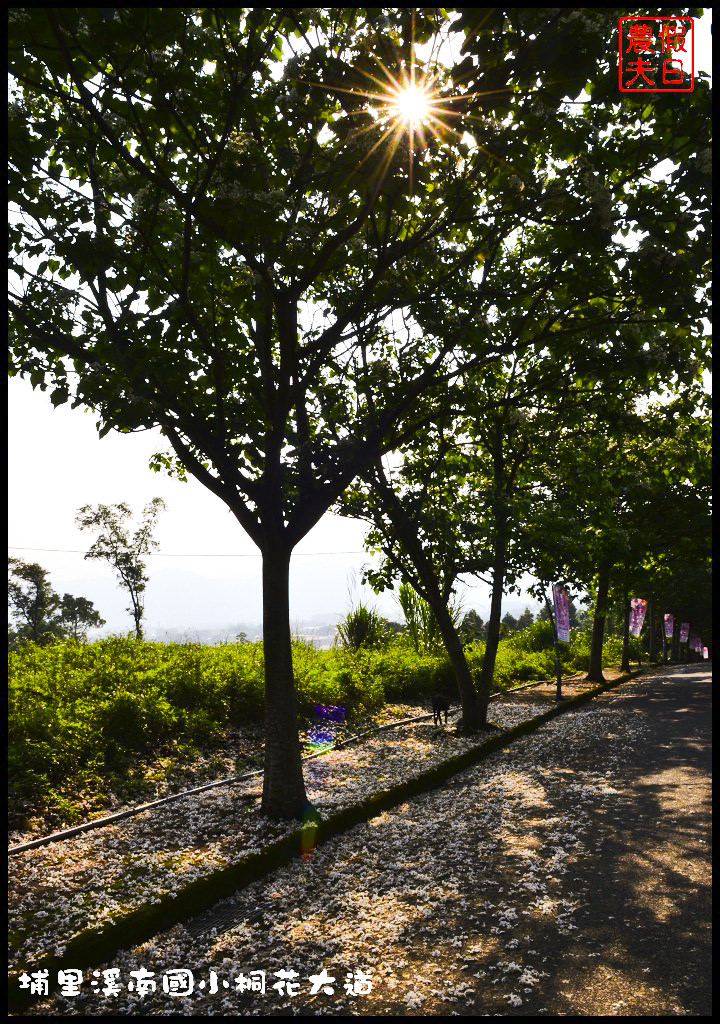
pixel 643 940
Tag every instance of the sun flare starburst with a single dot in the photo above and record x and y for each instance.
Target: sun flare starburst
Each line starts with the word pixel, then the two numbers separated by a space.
pixel 409 104
pixel 412 104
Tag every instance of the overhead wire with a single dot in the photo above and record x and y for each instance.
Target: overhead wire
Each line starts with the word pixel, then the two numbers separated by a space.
pixel 169 554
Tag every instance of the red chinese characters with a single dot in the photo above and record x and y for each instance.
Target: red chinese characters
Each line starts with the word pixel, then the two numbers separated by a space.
pixel 650 54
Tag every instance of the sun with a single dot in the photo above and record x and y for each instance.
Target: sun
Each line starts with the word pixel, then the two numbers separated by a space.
pixel 406 104
pixel 411 104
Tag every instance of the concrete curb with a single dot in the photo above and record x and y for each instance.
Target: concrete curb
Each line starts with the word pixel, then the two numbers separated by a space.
pixel 93 947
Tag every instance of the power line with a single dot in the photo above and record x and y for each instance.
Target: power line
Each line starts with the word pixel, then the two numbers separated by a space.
pixel 167 554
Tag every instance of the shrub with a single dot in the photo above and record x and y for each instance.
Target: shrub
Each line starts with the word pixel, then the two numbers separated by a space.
pixel 78 713
pixel 612 650
pixel 137 720
pixel 362 627
pixel 537 637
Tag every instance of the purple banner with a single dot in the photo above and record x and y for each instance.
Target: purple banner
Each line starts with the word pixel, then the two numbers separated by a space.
pixel 562 612
pixel 684 632
pixel 637 615
pixel 669 626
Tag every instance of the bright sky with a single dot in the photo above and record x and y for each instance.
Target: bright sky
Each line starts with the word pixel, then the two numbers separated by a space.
pixel 209 571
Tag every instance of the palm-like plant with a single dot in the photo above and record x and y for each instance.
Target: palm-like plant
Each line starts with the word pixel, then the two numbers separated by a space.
pixel 362 627
pixel 421 625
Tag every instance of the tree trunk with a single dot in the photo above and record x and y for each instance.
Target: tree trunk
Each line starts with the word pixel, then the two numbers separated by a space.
pixel 470 720
pixel 473 716
pixel 595 670
pixel 652 638
pixel 283 785
pixel 558 666
pixel 137 611
pixel 493 627
pixel 625 664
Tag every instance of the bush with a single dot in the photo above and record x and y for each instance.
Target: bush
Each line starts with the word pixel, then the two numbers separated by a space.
pixel 578 650
pixel 362 627
pixel 137 721
pixel 612 650
pixel 535 638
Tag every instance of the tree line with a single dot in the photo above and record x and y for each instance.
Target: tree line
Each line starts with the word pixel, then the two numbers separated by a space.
pixel 483 334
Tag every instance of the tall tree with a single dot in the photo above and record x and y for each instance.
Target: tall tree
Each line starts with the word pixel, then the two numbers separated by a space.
pixel 472 627
pixel 510 623
pixel 124 552
pixel 77 615
pixel 413 528
pixel 613 531
pixel 525 619
pixel 33 601
pixel 228 176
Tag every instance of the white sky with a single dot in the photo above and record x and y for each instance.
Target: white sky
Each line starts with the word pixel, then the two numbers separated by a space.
pixel 57 464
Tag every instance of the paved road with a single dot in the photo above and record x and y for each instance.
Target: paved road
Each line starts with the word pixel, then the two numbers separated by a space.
pixel 643 939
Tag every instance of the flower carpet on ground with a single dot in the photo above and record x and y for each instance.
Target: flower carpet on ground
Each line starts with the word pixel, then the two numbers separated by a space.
pixel 401 879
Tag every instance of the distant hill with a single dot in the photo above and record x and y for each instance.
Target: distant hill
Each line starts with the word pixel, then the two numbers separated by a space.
pixel 319 630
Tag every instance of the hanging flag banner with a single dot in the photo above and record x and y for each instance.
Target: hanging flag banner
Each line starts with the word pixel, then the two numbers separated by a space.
pixel 562 612
pixel 705 652
pixel 669 626
pixel 637 615
pixel 684 632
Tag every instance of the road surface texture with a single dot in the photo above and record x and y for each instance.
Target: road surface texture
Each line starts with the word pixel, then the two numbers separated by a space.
pixel 568 875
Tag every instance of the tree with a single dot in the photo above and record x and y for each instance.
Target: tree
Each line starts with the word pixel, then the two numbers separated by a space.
pixel 670 518
pixel 44 617
pixel 207 240
pixel 509 623
pixel 427 571
pixel 526 619
pixel 472 628
pixel 612 532
pixel 124 553
pixel 78 614
pixel 227 244
pixel 33 601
